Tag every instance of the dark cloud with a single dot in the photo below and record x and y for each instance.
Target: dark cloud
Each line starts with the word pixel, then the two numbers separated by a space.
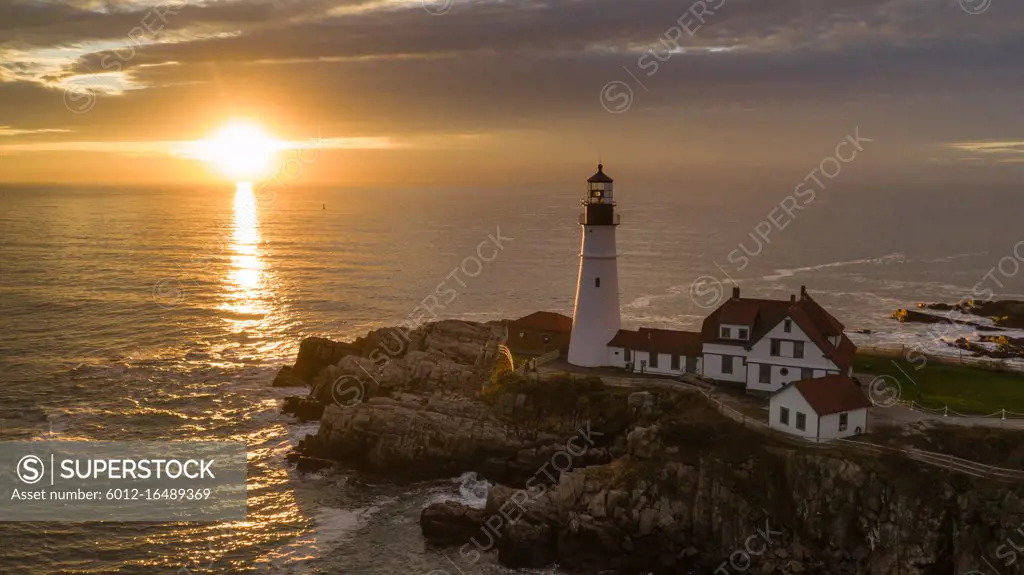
pixel 786 71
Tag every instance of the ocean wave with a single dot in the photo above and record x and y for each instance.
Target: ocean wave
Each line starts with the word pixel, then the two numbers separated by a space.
pixel 957 257
pixel 467 489
pixel 897 258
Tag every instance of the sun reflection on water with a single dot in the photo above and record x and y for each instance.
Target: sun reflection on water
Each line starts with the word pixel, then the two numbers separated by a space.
pixel 246 287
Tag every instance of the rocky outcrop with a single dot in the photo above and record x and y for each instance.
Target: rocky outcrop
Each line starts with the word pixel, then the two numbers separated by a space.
pixel 454 356
pixel 441 435
pixel 303 408
pixel 286 378
pixel 911 316
pixel 1005 347
pixel 1005 313
pixel 450 523
pixel 316 353
pixel 387 434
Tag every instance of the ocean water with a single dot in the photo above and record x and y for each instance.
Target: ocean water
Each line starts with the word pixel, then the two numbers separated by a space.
pixel 164 314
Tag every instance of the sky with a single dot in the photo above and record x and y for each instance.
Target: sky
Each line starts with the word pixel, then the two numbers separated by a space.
pixel 514 92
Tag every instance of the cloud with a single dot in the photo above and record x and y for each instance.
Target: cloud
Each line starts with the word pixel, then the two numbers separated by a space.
pixel 9 131
pixel 1006 152
pixel 1000 147
pixel 750 77
pixel 185 149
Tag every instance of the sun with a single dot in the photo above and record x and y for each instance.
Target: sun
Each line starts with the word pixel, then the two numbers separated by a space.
pixel 241 150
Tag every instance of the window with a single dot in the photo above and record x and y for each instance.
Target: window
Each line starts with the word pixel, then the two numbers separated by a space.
pixel 522 334
pixel 798 349
pixel 726 364
pixel 783 415
pixel 776 344
pixel 654 359
pixel 765 375
pixel 801 421
pixel 787 326
pixel 843 421
pixel 597 282
pixel 742 334
pixel 806 373
pixel 675 361
pixel 629 354
pixel 726 333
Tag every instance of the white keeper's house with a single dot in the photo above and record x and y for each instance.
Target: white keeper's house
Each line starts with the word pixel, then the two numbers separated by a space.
pixel 820 409
pixel 764 344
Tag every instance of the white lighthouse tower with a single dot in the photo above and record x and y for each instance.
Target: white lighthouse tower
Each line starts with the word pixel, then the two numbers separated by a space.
pixel 595 319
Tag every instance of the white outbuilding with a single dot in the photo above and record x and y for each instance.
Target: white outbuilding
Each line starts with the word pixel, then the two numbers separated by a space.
pixel 656 351
pixel 820 409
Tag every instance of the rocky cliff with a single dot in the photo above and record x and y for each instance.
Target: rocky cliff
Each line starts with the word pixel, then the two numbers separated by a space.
pixel 594 477
pixel 692 495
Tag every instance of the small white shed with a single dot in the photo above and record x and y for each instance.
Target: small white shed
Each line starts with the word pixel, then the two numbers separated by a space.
pixel 820 409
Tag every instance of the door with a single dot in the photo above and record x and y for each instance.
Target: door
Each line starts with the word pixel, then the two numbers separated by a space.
pixel 691 364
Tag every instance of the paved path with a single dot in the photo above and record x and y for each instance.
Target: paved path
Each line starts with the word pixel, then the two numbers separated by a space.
pixel 900 415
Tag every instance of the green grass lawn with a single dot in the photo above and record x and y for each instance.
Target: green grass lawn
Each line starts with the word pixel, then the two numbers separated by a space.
pixel 968 390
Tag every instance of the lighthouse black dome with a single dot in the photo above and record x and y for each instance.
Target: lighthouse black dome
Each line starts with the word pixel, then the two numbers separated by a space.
pixel 600 176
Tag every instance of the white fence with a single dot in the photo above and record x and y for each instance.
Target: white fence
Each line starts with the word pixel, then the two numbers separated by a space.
pixel 947 412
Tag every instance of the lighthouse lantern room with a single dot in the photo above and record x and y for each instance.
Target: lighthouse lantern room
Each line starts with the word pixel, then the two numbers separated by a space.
pixel 596 319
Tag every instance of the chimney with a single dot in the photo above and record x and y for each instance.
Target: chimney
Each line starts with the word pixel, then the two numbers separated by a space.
pixel 803 292
pixel 736 292
pixel 792 298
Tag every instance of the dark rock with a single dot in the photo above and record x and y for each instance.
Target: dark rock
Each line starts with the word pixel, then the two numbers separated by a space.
pixel 316 353
pixel 1006 347
pixel 312 464
pixel 936 306
pixel 302 407
pixel 1004 313
pixel 451 523
pixel 911 316
pixel 286 378
pixel 527 546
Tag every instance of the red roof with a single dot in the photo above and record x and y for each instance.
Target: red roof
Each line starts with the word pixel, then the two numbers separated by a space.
pixel 625 339
pixel 831 394
pixel 759 314
pixel 742 311
pixel 545 321
pixel 762 315
pixel 668 341
pixel 825 321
